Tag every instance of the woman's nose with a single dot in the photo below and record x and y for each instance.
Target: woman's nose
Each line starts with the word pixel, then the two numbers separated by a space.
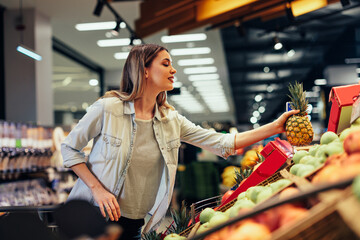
pixel 173 70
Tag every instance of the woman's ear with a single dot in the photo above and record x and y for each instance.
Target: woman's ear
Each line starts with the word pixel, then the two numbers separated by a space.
pixel 146 73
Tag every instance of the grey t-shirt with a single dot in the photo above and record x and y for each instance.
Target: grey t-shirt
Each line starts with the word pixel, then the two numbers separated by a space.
pixel 142 180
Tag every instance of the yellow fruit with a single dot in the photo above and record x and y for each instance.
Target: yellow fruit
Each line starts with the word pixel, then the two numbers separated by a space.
pixel 299 131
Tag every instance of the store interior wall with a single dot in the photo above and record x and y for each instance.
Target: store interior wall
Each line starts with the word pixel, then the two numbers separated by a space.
pixel 28 90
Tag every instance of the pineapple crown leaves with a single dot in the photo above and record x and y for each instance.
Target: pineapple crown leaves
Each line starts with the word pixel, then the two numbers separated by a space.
pixel 241 175
pixel 181 219
pixel 298 98
pixel 152 235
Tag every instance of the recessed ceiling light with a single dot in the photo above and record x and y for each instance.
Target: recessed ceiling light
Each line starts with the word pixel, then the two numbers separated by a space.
pixel 206 83
pixel 258 98
pixel 113 42
pixel 321 81
pixel 121 55
pixel 190 51
pixel 96 26
pixel 195 61
pixel 197 70
pixel 93 82
pixel 266 69
pixel 200 77
pixel 291 53
pixel 184 38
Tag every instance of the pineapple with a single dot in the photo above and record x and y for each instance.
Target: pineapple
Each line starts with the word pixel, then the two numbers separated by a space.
pixel 299 131
pixel 241 176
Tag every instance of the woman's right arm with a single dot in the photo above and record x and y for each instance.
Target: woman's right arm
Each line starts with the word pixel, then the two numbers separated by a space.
pixel 104 198
pixel 88 128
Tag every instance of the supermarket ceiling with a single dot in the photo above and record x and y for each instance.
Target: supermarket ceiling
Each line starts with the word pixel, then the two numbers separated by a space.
pixel 241 42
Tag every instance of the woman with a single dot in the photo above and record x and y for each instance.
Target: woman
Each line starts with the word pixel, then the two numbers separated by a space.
pixel 131 169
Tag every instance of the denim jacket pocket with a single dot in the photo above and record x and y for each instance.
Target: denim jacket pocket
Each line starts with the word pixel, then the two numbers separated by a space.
pixel 173 144
pixel 111 146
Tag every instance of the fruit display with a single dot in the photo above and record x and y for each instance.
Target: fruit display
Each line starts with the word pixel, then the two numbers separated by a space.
pixel 336 158
pixel 299 131
pixel 308 162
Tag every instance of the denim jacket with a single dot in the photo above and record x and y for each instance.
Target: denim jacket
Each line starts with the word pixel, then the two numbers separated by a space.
pixel 111 123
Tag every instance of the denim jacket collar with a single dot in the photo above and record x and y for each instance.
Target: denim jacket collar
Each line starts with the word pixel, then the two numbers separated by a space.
pixel 129 108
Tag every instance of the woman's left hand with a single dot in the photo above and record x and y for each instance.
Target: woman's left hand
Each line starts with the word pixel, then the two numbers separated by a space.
pixel 280 122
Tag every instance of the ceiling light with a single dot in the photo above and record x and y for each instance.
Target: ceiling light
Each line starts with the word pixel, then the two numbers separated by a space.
pixel 269 89
pixel 261 109
pixel 197 70
pixel 195 61
pixel 116 29
pixel 207 83
pixel 278 46
pixel 320 81
pixel 98 8
pixel 256 125
pixel 113 42
pixel 93 82
pixel 28 52
pixel 200 77
pixel 253 120
pixel 266 69
pixel 256 114
pixel 96 26
pixel 258 98
pixel 184 38
pixel 190 51
pixel 121 55
pixel 291 53
pixel 84 105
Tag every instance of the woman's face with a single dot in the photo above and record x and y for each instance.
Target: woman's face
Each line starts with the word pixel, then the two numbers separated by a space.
pixel 160 74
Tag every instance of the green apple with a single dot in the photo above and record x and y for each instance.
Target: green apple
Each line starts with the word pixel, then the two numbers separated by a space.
pixel 298 155
pixel 206 215
pixel 218 219
pixel 316 162
pixel 244 203
pixel 294 169
pixel 279 184
pixel 174 236
pixel 203 228
pixel 344 133
pixel 334 148
pixel 328 137
pixel 241 196
pixel 252 192
pixel 313 149
pixel 264 194
pixel 240 204
pixel 306 159
pixel 321 152
pixel 305 170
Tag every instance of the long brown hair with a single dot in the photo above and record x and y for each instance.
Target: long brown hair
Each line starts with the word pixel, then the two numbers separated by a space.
pixel 132 82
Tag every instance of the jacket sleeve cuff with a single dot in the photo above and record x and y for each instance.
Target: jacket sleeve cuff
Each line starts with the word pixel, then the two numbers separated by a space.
pixel 72 156
pixel 228 143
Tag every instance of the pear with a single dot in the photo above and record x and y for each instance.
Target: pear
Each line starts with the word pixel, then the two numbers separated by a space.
pixel 328 137
pixel 298 155
pixel 206 215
